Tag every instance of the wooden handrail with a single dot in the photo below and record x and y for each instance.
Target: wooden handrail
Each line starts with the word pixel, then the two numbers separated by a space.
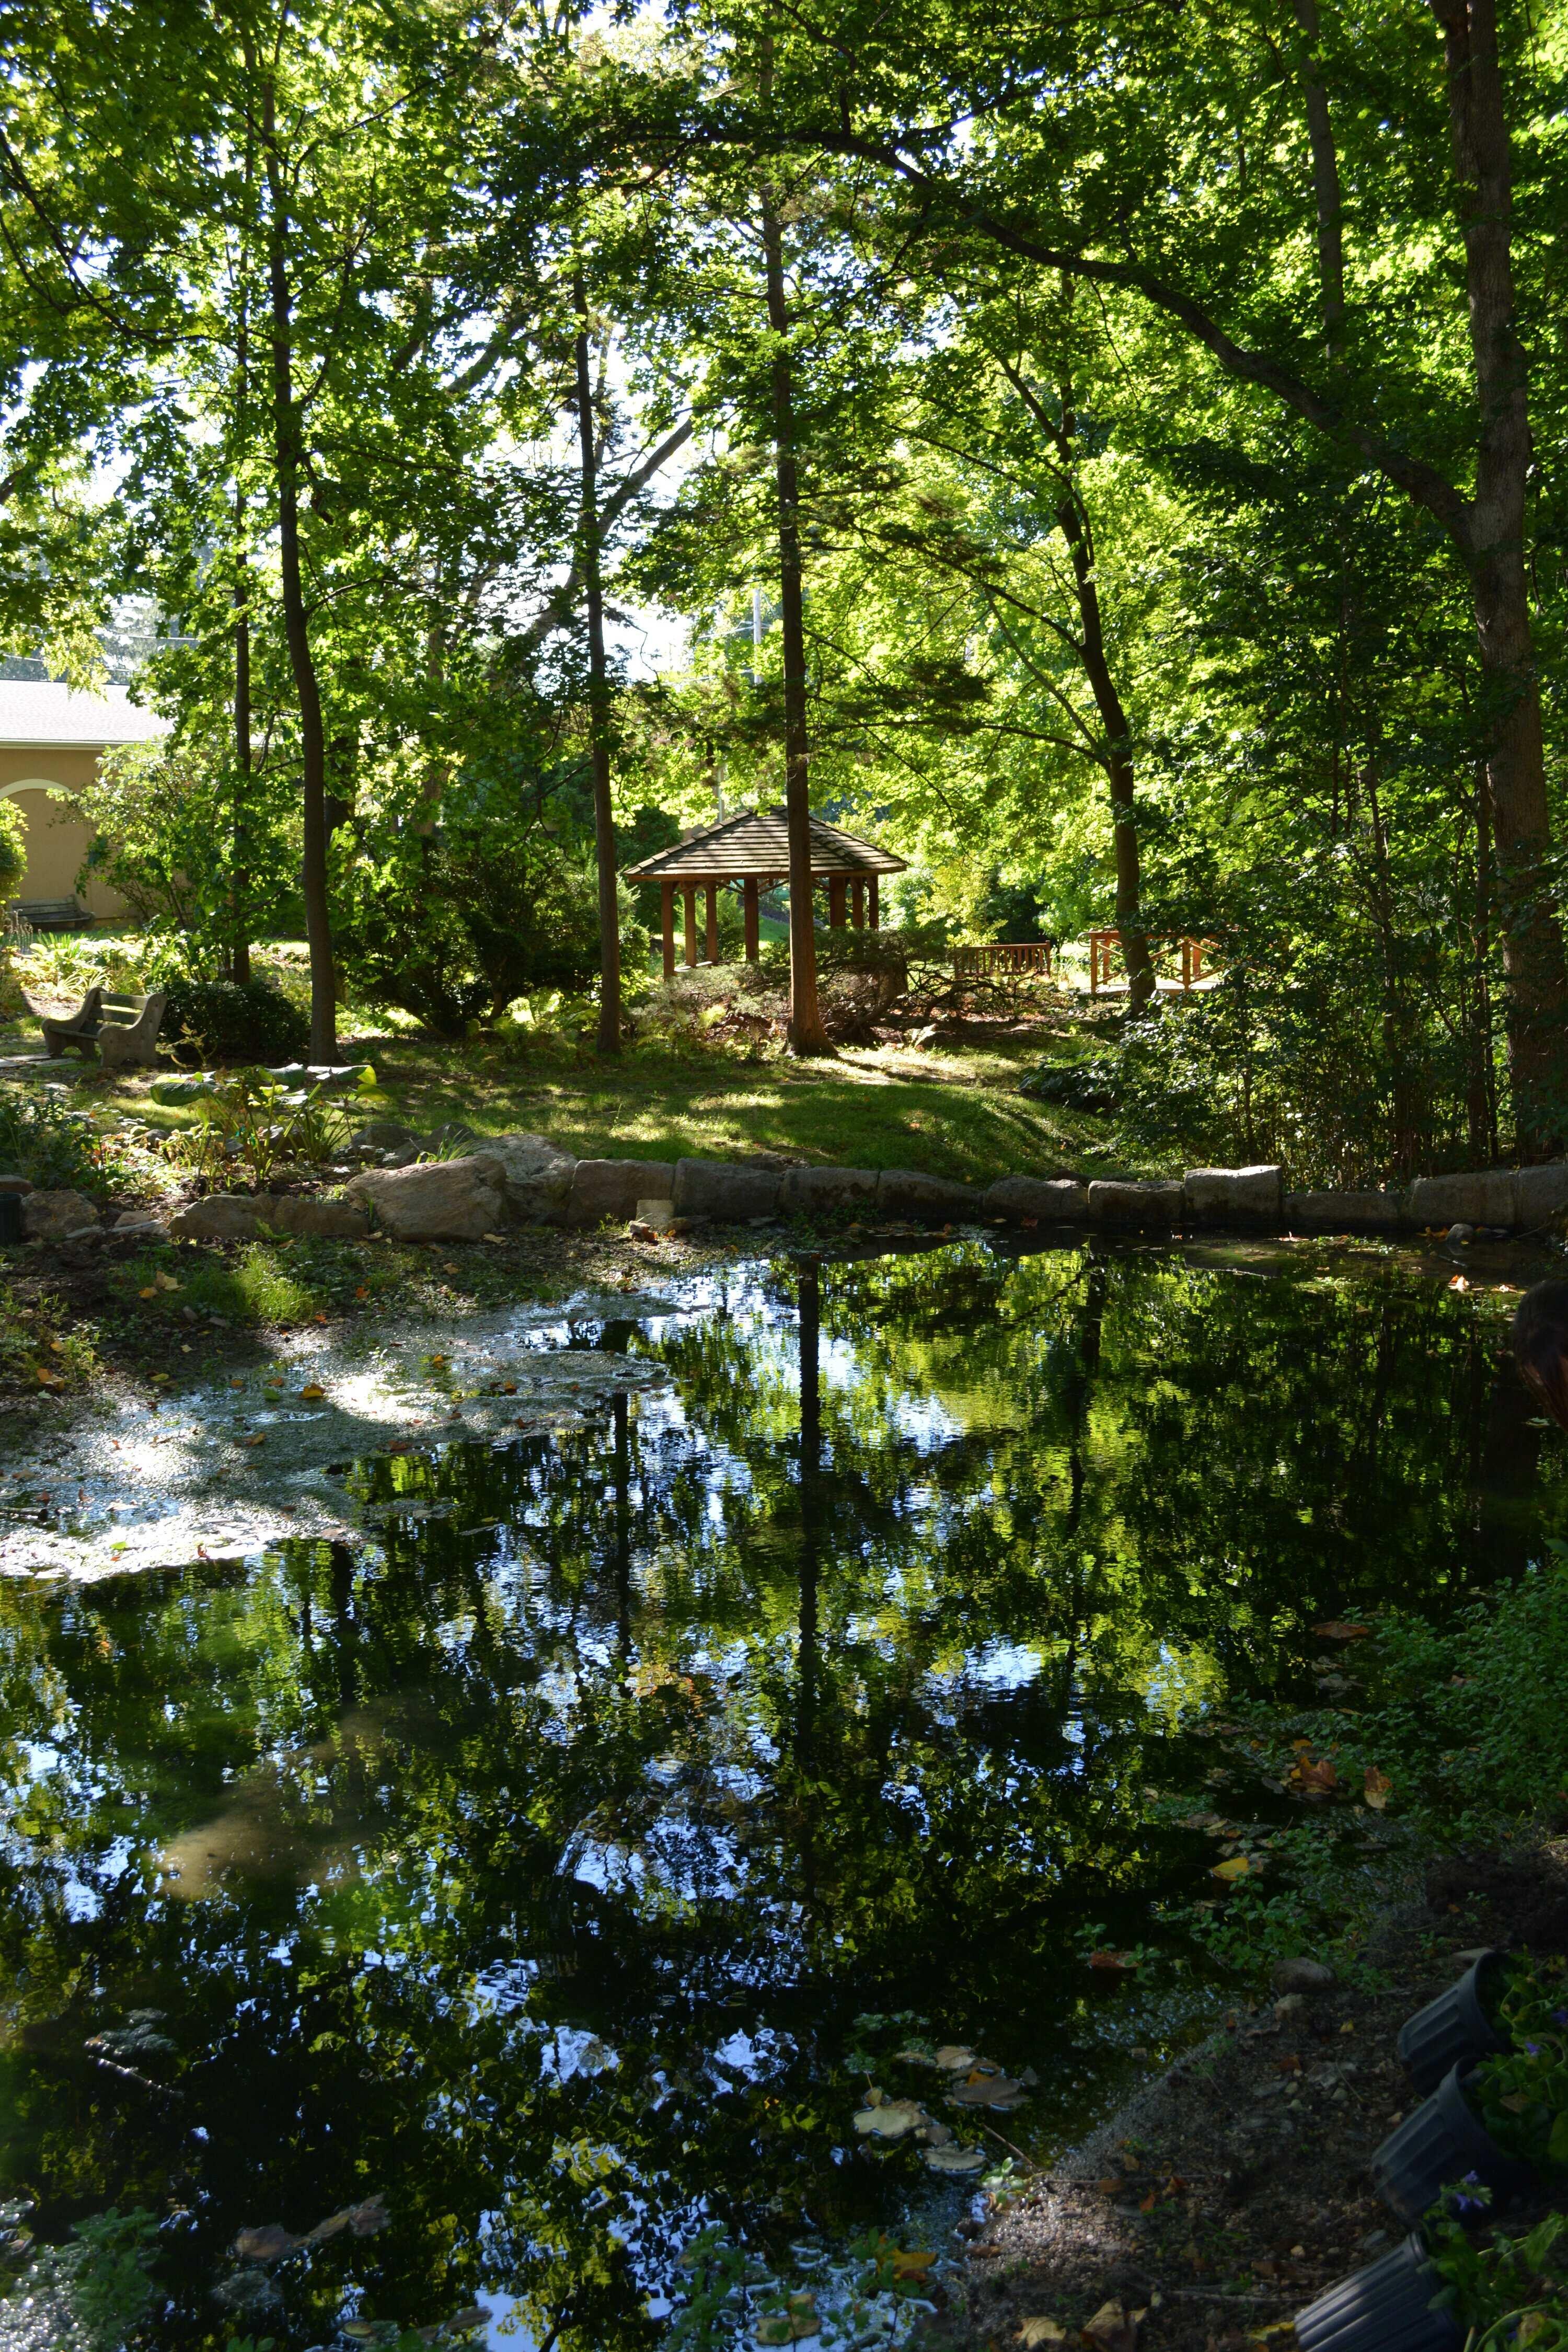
pixel 1101 942
pixel 1003 955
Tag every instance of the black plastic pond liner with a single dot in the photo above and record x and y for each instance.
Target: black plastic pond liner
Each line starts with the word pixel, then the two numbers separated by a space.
pixel 1452 2031
pixel 1442 2142
pixel 1387 2307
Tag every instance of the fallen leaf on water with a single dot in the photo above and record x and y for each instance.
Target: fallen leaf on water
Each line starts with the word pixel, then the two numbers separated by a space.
pixel 1314 1777
pixel 1112 1963
pixel 1236 1867
pixel 312 1389
pixel 1459 1283
pixel 259 1439
pixel 1378 1790
pixel 1041 2331
pixel 988 2090
pixel 1113 2328
pixel 890 2118
pixel 955 2159
pixel 912 2262
pixel 361 2220
pixel 265 2245
pixel 956 2057
pixel 1336 1630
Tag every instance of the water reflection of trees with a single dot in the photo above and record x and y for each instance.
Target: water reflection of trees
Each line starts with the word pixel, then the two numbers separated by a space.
pixel 533 1875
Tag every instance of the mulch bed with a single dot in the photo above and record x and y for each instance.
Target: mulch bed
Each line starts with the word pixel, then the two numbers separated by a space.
pixel 1223 2198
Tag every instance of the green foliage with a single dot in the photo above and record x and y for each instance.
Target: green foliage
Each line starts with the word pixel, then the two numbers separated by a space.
pixel 102 2279
pixel 456 925
pixel 254 1125
pixel 1468 1714
pixel 217 1021
pixel 56 1146
pixel 1504 2292
pixel 1521 2093
pixel 13 847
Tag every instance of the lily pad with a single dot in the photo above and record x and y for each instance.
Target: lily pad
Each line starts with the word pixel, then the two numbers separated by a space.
pixel 955 2159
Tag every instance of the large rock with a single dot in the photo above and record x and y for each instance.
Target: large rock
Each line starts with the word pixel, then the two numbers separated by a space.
pixel 307 1212
pixel 537 1177
pixel 1235 1196
pixel 809 1191
pixel 937 1200
pixel 728 1191
pixel 611 1188
pixel 1111 1202
pixel 1345 1213
pixel 56 1216
pixel 1039 1199
pixel 380 1134
pixel 18 1186
pixel 436 1201
pixel 1484 1196
pixel 220 1217
pixel 1540 1195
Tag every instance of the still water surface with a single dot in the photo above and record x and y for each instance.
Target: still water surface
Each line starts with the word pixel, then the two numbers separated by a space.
pixel 553 1866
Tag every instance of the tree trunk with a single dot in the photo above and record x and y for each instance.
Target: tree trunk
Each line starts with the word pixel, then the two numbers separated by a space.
pixel 287 458
pixel 1494 547
pixel 1482 1099
pixel 806 1035
pixel 1072 521
pixel 1326 191
pixel 1119 767
pixel 239 873
pixel 608 1041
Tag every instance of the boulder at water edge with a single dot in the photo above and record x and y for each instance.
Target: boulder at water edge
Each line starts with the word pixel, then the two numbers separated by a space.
pixel 436 1200
pixel 54 1216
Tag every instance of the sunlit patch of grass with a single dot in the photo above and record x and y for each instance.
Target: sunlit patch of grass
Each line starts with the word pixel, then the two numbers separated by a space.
pixel 953 1112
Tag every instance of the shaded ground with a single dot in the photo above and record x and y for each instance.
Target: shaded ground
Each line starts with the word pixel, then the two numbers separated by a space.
pixel 1225 2197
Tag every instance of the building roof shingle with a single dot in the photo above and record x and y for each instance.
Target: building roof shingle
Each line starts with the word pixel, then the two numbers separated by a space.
pixel 44 714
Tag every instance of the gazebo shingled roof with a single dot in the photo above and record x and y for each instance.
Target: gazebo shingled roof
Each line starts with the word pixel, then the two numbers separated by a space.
pixel 754 850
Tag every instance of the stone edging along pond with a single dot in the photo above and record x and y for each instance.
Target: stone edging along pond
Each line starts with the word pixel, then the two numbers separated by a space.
pixel 525 1178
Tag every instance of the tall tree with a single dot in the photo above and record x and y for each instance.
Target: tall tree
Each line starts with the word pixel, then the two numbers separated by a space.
pixel 1124 152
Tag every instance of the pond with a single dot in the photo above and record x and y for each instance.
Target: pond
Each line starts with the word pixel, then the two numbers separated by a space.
pixel 560 1860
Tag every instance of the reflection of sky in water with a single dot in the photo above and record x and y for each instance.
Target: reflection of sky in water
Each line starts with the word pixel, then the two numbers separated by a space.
pixel 611 1823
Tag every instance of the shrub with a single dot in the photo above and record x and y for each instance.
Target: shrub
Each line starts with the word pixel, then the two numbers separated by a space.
pixel 455 926
pixel 13 847
pixel 55 1147
pixel 221 1021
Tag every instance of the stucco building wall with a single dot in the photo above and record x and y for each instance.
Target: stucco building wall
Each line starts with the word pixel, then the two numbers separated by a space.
pixel 58 837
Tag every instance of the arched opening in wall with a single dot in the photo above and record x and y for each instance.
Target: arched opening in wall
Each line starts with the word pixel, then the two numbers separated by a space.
pixel 58 837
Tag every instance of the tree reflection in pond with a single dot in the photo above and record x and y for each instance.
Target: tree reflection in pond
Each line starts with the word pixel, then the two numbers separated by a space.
pixel 533 1867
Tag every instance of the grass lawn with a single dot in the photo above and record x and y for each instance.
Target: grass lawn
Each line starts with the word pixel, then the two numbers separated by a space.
pixel 952 1112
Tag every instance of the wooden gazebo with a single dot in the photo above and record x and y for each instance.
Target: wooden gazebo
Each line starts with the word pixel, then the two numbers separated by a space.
pixel 752 849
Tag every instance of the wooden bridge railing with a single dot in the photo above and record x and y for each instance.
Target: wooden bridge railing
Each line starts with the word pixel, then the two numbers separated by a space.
pixel 1007 956
pixel 1100 944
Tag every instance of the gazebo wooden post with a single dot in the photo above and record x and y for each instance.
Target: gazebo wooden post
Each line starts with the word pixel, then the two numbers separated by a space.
pixel 874 909
pixel 667 910
pixel 858 903
pixel 689 893
pixel 835 901
pixel 749 902
pixel 712 922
